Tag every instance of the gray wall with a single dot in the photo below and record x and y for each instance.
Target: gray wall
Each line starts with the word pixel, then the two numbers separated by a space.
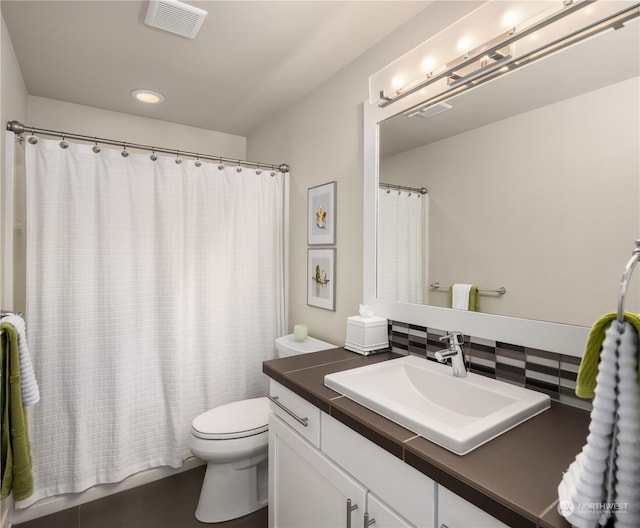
pixel 321 138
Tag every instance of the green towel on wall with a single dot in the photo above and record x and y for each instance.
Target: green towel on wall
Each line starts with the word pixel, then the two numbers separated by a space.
pixel 474 298
pixel 586 382
pixel 15 451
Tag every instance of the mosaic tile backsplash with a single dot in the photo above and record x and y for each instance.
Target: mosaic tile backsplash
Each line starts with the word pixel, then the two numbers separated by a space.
pixel 548 372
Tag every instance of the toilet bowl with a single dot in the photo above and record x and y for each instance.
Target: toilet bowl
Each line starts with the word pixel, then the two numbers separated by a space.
pixel 233 440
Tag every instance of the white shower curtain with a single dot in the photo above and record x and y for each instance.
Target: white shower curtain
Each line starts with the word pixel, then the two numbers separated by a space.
pixel 400 245
pixel 154 292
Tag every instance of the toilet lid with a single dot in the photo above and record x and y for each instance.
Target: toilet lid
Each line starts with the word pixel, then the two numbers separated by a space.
pixel 233 420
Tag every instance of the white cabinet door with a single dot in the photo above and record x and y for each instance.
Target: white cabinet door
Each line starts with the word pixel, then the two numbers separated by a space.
pixel 379 515
pixel 455 512
pixel 306 490
pixel 400 486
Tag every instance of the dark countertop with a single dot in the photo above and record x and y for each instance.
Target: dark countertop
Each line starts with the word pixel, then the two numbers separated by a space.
pixel 513 477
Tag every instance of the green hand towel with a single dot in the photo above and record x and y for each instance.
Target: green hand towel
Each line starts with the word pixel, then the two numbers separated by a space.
pixel 16 475
pixel 474 298
pixel 586 382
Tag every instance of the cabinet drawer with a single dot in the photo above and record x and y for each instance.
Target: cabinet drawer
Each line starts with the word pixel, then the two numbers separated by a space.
pixel 403 488
pixel 455 512
pixel 296 411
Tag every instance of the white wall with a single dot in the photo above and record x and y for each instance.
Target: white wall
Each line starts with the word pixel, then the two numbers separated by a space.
pixel 13 106
pixel 321 138
pixel 13 93
pixel 526 215
pixel 86 120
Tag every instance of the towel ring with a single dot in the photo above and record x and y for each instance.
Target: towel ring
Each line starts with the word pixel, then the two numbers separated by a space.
pixel 626 276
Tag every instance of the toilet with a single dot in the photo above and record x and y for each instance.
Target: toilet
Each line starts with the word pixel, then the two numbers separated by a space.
pixel 233 440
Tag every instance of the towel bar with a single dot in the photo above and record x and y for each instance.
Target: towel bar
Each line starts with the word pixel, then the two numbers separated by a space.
pixel 10 312
pixel 500 291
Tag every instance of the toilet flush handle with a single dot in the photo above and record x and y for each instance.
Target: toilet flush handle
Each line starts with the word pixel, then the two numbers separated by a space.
pixel 303 421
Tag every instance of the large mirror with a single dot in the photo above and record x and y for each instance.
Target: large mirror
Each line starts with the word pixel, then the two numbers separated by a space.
pixel 533 185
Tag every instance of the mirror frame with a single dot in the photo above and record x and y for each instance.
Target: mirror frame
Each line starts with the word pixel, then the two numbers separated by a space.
pixel 542 335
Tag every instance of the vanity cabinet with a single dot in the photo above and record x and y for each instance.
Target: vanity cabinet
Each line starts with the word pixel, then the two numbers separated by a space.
pixel 325 475
pixel 455 512
pixel 400 486
pixel 305 488
pixel 308 488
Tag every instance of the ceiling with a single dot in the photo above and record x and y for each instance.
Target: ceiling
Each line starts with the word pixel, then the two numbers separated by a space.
pixel 249 61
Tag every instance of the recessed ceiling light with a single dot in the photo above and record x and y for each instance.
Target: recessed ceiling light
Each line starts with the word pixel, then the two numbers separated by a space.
pixel 147 96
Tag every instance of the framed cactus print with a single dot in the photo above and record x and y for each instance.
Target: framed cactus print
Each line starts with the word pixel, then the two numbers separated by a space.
pixel 321 278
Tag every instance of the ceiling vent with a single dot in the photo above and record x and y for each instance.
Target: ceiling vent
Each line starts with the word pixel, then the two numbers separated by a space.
pixel 432 110
pixel 175 17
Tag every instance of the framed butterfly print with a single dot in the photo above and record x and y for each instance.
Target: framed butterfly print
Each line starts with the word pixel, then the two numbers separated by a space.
pixel 321 214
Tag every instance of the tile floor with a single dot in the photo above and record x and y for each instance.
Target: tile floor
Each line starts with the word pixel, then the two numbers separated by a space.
pixel 166 503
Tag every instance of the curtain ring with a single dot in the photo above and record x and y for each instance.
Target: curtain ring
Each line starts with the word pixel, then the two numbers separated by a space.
pixel 198 163
pixel 63 144
pixel 178 158
pixel 96 147
pixel 124 152
pixel 220 164
pixel 32 139
pixel 258 170
pixel 238 167
pixel 153 156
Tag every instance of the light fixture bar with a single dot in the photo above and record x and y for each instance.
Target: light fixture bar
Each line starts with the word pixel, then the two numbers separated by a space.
pixel 487 49
pixel 614 21
pixel 498 58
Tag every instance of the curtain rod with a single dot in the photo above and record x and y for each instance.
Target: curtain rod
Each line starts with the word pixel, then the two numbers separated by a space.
pixel 19 129
pixel 419 190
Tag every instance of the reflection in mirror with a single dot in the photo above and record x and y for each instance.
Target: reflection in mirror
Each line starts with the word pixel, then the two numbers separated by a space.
pixel 533 183
pixel 402 243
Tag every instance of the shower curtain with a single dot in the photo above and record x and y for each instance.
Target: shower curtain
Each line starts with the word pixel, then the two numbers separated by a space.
pixel 154 293
pixel 400 245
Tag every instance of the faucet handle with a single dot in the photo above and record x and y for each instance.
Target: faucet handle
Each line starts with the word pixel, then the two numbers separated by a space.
pixel 454 338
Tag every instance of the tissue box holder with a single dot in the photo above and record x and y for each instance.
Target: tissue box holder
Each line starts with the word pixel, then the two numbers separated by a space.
pixel 367 335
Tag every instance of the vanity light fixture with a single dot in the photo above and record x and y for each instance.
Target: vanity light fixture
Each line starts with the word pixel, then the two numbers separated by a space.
pixel 540 34
pixel 147 96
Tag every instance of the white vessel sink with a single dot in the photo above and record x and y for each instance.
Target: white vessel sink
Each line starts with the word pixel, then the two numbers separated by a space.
pixel 458 414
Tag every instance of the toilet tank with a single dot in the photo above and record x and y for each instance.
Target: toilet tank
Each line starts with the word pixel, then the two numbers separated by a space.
pixel 288 346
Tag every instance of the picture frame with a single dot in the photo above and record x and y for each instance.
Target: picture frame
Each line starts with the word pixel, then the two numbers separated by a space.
pixel 321 278
pixel 321 214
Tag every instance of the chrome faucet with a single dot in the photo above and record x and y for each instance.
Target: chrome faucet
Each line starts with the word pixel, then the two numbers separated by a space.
pixel 455 351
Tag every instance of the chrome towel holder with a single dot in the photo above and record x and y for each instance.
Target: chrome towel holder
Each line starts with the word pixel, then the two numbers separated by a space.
pixel 500 291
pixel 626 276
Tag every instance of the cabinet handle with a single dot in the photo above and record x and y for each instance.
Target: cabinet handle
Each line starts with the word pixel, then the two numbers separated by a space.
pixel 303 421
pixel 368 522
pixel 349 510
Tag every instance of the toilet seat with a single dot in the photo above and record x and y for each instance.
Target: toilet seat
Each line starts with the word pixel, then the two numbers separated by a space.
pixel 238 419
